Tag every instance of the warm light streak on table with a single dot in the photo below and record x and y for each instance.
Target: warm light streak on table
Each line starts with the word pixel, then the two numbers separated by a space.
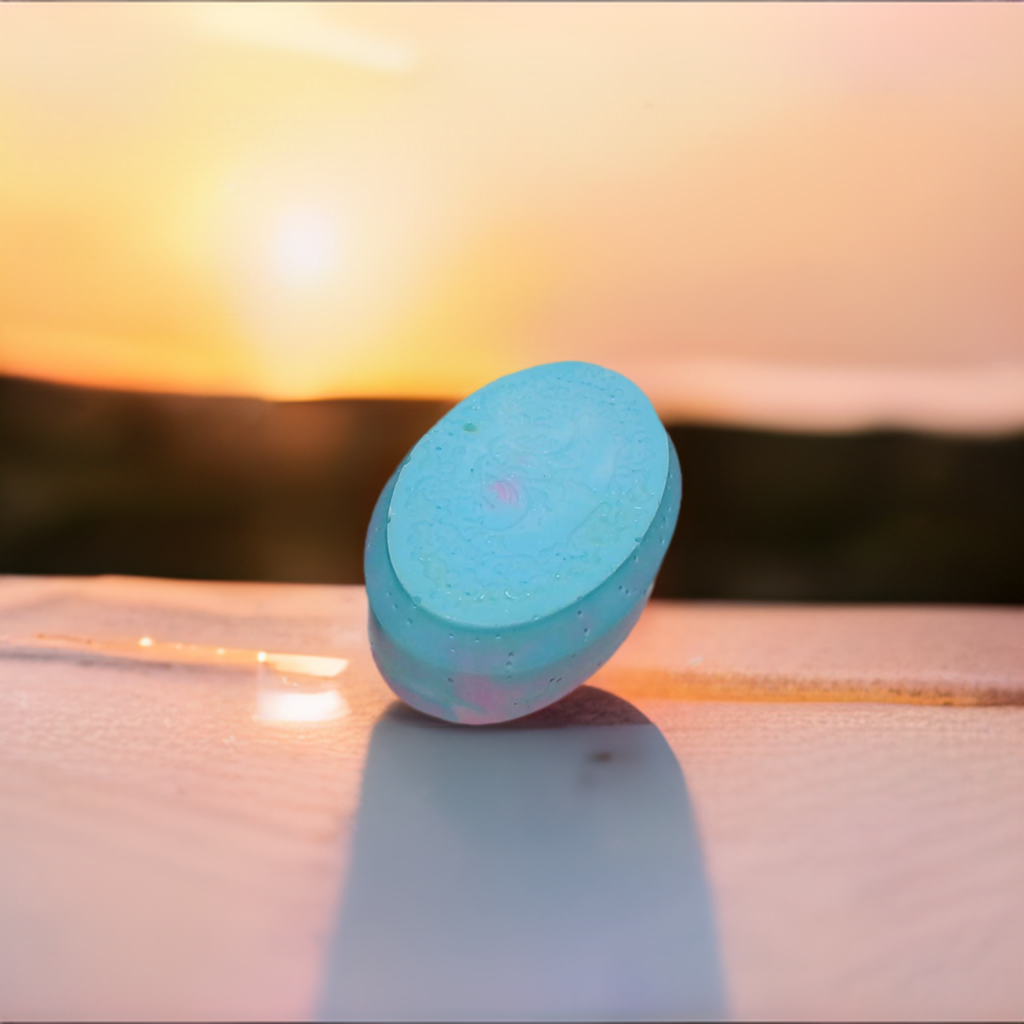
pixel 187 837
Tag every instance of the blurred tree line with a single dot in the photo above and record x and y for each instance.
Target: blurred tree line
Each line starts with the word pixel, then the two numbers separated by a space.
pixel 98 481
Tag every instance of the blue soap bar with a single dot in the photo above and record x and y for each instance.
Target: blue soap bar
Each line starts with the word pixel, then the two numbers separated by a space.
pixel 516 545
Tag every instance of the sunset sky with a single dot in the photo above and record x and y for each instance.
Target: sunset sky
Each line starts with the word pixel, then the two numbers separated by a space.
pixel 807 215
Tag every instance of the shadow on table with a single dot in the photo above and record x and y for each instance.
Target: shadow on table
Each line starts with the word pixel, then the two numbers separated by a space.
pixel 548 868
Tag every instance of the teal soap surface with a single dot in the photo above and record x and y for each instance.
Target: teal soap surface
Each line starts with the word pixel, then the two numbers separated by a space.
pixel 516 545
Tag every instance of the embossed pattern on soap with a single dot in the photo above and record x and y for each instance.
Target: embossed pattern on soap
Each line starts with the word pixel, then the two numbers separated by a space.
pixel 532 490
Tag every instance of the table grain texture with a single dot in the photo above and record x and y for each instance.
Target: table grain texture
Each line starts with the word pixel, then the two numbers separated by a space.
pixel 834 795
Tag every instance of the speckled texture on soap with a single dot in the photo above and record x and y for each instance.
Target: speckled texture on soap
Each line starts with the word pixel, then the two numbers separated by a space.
pixel 527 495
pixel 486 668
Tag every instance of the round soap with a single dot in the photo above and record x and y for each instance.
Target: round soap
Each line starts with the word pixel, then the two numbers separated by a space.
pixel 516 545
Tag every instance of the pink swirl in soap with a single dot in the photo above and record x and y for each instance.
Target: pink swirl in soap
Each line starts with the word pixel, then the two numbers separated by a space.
pixel 505 491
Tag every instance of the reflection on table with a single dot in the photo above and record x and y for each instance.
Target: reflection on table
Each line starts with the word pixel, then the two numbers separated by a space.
pixel 547 869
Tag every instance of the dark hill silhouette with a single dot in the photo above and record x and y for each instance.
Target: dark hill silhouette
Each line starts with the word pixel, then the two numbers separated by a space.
pixel 95 481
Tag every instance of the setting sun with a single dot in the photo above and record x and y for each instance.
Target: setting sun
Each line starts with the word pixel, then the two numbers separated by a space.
pixel 791 216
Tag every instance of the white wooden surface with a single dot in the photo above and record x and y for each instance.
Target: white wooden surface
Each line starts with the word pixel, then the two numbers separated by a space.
pixel 855 808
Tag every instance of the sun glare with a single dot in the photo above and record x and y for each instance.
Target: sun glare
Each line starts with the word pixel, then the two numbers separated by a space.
pixel 279 706
pixel 775 215
pixel 304 249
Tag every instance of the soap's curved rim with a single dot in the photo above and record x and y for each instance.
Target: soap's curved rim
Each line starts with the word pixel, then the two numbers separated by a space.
pixel 426 665
pixel 614 568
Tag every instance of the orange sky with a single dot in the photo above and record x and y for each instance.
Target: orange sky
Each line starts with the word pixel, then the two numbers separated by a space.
pixel 802 215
